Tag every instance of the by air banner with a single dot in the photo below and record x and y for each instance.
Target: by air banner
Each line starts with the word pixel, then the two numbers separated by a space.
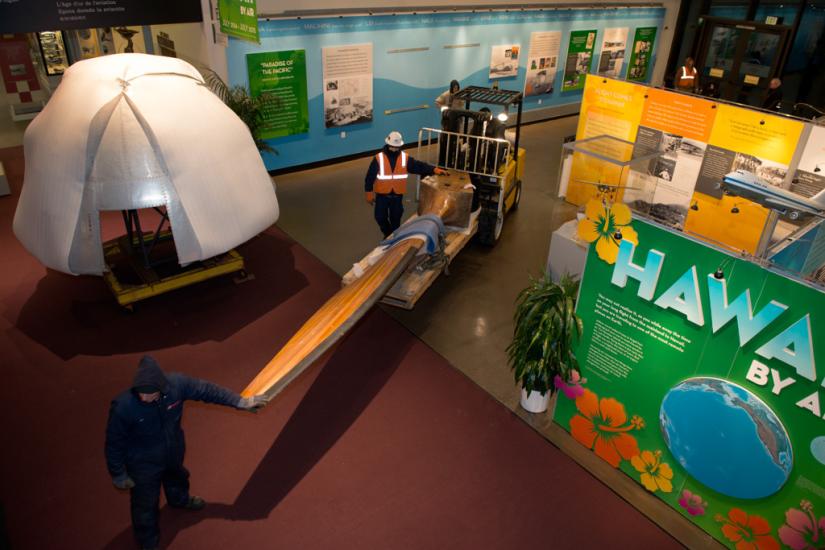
pixel 239 18
pixel 699 380
pixel 283 75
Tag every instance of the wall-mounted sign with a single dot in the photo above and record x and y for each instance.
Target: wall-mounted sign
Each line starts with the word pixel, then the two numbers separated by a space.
pixel 699 381
pixel 48 15
pixel 283 75
pixel 579 58
pixel 504 60
pixel 347 72
pixel 239 18
pixel 716 73
pixel 751 79
pixel 641 54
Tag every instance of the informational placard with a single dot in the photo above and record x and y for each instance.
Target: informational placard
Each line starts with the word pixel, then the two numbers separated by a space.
pixel 284 76
pixel 542 63
pixel 239 18
pixel 579 57
pixel 347 82
pixel 699 381
pixel 614 45
pixel 504 60
pixel 50 15
pixel 678 127
pixel 640 55
pixel 741 139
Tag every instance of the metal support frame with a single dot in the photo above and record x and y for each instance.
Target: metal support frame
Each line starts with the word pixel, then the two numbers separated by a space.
pixel 135 237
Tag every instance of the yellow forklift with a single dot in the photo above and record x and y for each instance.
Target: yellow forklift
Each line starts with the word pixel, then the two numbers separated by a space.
pixel 479 143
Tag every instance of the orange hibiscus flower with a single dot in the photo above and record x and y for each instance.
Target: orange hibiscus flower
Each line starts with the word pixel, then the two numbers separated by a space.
pixel 656 475
pixel 600 425
pixel 746 531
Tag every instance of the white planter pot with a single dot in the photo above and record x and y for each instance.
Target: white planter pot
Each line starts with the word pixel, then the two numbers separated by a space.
pixel 534 402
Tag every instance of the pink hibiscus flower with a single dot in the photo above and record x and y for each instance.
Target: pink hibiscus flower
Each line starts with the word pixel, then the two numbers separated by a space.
pixel 573 387
pixel 693 503
pixel 801 530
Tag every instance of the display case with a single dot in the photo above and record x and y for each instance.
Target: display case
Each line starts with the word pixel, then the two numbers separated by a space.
pixel 614 170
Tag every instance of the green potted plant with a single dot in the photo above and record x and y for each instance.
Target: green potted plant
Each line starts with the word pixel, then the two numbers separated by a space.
pixel 546 326
pixel 248 108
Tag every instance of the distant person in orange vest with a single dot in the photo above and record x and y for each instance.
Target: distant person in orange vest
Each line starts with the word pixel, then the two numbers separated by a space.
pixel 386 181
pixel 686 78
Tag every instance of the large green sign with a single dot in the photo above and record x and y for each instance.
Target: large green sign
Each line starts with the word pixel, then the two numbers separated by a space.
pixel 284 75
pixel 641 54
pixel 699 381
pixel 239 18
pixel 579 58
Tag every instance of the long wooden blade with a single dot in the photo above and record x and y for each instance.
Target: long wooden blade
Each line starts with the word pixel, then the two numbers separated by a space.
pixel 333 320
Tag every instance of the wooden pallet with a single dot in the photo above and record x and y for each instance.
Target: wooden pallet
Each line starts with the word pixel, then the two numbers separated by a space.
pixel 413 283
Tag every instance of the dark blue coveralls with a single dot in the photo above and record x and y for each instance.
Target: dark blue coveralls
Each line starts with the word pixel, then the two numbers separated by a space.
pixel 389 207
pixel 145 441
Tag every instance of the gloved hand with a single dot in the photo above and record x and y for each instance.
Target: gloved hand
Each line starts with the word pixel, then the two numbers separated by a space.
pixel 123 482
pixel 252 404
pixel 441 172
pixel 370 196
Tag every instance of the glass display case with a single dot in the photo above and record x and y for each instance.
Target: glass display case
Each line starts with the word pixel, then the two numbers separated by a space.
pixel 614 170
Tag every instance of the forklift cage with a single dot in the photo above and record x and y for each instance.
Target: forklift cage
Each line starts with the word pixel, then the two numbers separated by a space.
pixel 479 155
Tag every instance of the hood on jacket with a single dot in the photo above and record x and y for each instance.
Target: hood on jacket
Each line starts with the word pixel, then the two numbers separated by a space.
pixel 149 375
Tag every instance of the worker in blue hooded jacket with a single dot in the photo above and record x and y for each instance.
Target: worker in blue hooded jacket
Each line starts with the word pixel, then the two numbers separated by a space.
pixel 145 443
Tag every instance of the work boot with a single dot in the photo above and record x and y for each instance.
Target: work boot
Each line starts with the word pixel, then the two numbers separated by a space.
pixel 195 503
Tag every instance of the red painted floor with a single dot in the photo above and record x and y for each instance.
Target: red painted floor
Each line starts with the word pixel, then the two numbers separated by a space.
pixel 381 445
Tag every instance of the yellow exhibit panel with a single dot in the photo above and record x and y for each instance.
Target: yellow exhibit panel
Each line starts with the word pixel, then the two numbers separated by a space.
pixel 741 139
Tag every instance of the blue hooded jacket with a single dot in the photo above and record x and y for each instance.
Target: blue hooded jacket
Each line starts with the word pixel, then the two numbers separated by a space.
pixel 145 437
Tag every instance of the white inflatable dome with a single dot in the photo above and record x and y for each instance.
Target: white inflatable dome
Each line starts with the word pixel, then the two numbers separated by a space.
pixel 133 131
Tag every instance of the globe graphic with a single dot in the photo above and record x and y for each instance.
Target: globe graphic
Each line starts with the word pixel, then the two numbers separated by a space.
pixel 818 448
pixel 726 438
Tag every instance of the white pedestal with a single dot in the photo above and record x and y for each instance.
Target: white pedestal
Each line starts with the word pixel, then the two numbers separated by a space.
pixel 567 253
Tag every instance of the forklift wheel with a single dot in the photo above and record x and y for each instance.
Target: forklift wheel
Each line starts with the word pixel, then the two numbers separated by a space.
pixel 518 196
pixel 489 227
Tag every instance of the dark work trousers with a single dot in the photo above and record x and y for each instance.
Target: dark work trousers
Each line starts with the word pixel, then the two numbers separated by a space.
pixel 388 211
pixel 145 496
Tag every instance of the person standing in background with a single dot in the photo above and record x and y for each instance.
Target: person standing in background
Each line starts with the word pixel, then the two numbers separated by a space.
pixel 446 100
pixel 687 77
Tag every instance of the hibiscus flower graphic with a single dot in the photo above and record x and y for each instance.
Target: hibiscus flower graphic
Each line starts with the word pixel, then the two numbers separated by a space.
pixel 748 532
pixel 607 225
pixel 801 530
pixel 656 475
pixel 693 503
pixel 601 425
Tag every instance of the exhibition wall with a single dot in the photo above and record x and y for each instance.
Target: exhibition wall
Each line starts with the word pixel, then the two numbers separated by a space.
pixel 381 71
pixel 699 142
pixel 699 381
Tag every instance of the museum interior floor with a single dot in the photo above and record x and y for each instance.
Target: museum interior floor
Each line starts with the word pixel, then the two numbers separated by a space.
pixel 389 447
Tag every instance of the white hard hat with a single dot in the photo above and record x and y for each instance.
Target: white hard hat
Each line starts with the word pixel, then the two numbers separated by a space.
pixel 394 139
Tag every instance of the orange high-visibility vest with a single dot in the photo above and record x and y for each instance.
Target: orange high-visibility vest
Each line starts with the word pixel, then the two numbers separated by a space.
pixel 686 77
pixel 389 180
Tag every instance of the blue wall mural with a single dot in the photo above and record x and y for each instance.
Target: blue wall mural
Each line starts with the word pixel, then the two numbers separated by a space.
pixel 403 80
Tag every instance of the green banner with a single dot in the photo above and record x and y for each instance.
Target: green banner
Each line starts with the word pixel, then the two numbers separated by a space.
pixel 698 380
pixel 284 75
pixel 579 58
pixel 641 54
pixel 239 18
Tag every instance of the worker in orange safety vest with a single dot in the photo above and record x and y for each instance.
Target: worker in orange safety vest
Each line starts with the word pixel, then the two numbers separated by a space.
pixel 386 181
pixel 687 77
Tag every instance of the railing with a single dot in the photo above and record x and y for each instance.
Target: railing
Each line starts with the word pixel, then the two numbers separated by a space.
pixel 478 155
